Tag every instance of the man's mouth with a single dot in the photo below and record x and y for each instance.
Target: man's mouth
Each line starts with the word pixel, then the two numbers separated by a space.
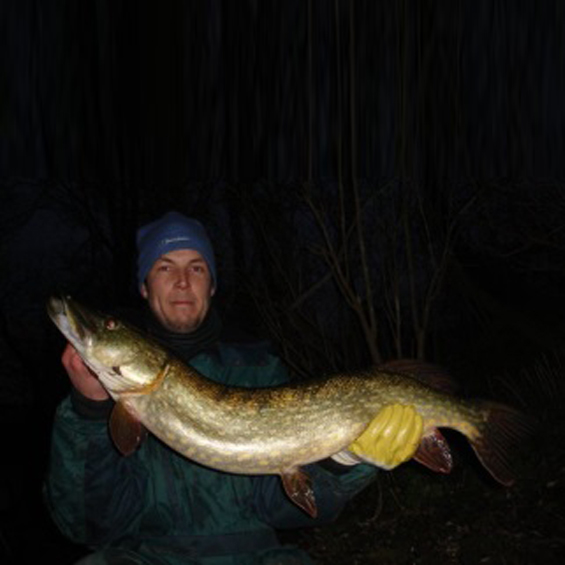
pixel 182 302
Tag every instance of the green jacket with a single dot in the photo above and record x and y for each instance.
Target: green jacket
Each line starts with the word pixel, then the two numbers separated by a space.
pixel 160 508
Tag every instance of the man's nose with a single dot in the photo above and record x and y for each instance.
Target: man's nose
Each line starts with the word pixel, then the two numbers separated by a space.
pixel 183 280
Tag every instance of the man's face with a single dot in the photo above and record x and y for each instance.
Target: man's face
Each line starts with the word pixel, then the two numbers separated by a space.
pixel 179 290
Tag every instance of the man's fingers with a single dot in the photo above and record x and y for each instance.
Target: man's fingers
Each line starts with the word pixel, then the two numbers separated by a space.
pixel 409 433
pixel 417 429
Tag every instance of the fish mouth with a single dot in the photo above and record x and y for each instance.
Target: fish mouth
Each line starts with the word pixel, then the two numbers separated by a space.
pixel 76 322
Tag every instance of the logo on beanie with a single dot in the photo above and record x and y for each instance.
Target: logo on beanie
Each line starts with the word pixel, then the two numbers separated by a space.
pixel 169 240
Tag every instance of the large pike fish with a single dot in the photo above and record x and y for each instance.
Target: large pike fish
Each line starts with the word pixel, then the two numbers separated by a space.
pixel 269 430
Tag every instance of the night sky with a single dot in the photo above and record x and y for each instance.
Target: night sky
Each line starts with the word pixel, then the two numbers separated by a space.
pixel 380 180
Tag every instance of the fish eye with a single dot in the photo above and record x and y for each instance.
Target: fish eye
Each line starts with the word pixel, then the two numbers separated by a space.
pixel 111 324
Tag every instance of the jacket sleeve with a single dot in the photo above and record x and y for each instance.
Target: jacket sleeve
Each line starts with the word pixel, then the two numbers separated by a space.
pixel 90 490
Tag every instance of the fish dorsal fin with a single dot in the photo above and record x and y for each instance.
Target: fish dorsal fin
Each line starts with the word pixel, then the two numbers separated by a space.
pixel 434 452
pixel 127 432
pixel 427 373
pixel 298 487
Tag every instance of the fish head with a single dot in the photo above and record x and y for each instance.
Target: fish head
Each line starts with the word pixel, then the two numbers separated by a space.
pixel 124 359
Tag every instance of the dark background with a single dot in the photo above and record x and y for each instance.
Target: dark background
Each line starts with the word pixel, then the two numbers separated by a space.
pixel 380 180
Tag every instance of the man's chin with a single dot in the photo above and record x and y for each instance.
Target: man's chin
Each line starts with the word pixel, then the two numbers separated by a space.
pixel 182 326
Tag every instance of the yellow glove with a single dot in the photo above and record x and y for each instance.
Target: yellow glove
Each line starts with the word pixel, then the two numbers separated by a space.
pixel 389 440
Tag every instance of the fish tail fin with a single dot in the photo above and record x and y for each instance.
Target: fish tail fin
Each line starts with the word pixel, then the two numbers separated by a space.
pixel 499 436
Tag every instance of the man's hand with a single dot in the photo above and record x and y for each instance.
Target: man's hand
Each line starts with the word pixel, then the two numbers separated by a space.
pixel 82 378
pixel 389 440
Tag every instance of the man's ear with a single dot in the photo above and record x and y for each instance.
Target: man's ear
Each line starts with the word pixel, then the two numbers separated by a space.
pixel 143 291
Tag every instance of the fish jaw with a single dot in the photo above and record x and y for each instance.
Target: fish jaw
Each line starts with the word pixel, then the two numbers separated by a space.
pixel 78 333
pixel 122 359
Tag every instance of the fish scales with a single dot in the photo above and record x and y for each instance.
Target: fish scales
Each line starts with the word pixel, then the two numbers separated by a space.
pixel 250 431
pixel 257 431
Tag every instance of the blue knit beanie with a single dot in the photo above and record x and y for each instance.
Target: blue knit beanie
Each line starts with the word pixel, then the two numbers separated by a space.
pixel 170 232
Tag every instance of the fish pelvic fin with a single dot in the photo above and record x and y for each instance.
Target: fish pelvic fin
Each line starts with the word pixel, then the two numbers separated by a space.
pixel 504 430
pixel 298 487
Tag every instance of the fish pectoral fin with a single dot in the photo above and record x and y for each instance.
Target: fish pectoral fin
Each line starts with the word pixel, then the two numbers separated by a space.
pixel 434 452
pixel 298 486
pixel 127 432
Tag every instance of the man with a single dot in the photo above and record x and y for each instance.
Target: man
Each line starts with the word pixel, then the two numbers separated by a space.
pixel 156 507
